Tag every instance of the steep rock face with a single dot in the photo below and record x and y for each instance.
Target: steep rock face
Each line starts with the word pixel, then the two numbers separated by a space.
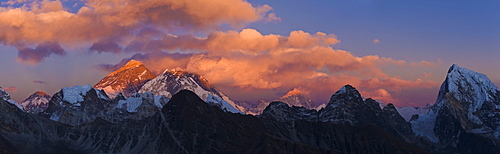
pixel 127 80
pixel 188 125
pixel 36 102
pixel 172 81
pixel 347 107
pixel 468 103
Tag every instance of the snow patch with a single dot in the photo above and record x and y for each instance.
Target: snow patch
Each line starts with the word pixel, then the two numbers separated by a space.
pixel 224 104
pixel 55 117
pixel 131 103
pixel 424 126
pixel 76 93
pixel 16 104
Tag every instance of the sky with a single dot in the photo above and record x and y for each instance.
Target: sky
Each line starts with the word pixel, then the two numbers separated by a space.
pixel 396 51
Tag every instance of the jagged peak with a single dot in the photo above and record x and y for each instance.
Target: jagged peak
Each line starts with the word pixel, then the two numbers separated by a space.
pixel 346 94
pixel 389 106
pixel 458 75
pixel 347 89
pixel 453 67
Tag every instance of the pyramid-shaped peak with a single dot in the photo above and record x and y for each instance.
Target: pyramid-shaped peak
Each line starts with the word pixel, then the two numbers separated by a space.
pixel 347 89
pixel 347 93
pixel 293 92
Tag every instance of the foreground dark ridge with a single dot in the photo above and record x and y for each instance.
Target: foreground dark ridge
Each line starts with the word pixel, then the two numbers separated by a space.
pixel 189 125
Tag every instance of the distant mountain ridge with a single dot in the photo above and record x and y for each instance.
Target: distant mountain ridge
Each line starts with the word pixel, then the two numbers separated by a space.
pixel 465 118
pixel 346 107
pixel 294 97
pixel 187 124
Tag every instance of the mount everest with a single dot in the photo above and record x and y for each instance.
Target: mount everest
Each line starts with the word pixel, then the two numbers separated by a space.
pixel 86 119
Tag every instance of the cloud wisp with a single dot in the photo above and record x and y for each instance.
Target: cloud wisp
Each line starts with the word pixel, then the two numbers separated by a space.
pixel 39 82
pixel 11 89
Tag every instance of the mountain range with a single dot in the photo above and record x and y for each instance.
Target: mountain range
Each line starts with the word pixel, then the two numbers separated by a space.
pixel 134 111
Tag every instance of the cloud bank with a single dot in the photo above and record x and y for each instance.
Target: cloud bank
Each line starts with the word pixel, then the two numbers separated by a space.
pixel 162 33
pixel 41 28
pixel 250 60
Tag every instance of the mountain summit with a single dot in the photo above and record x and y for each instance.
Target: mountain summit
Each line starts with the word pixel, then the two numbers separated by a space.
pixel 468 104
pixel 296 97
pixel 36 102
pixel 127 80
pixel 172 81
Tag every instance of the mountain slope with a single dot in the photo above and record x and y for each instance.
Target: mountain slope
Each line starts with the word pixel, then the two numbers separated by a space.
pixel 468 103
pixel 127 80
pixel 172 81
pixel 188 125
pixel 36 102
pixel 5 96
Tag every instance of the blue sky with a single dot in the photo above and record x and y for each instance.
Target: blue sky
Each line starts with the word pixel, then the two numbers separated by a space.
pixel 440 32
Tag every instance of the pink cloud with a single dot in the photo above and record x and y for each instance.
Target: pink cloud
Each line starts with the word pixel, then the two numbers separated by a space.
pixel 11 89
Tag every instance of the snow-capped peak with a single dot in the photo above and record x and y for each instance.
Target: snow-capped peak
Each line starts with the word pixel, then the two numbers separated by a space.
pixel 36 102
pixel 172 81
pixel 469 86
pixel 127 80
pixel 467 96
pixel 76 93
pixel 130 64
pixel 296 97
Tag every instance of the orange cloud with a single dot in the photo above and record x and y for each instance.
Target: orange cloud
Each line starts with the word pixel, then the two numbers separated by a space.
pixel 250 60
pixel 109 25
